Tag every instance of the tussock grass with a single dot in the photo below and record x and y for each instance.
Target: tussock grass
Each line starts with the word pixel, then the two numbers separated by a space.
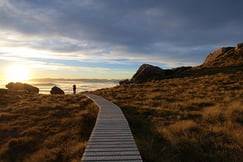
pixel 196 118
pixel 44 127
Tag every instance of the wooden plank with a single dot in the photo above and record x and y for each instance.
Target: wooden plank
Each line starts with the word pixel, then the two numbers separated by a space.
pixel 114 153
pixel 112 143
pixel 113 160
pixel 96 150
pixel 111 138
pixel 120 157
pixel 90 146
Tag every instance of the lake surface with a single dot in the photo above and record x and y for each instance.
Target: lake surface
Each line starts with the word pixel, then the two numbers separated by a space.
pixel 82 85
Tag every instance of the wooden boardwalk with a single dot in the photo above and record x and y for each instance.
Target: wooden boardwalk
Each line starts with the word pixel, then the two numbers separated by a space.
pixel 111 138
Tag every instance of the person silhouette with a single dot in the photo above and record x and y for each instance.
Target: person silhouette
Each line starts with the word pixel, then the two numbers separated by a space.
pixel 74 89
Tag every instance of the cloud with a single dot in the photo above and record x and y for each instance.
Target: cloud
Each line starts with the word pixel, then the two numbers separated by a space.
pixel 168 33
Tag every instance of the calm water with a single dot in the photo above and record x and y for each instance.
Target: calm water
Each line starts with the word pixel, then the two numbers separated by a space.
pixel 82 85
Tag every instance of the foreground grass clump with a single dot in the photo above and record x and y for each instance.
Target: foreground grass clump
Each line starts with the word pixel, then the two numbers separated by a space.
pixel 185 119
pixel 44 127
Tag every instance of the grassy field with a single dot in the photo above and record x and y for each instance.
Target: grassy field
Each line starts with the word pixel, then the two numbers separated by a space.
pixel 181 119
pixel 185 119
pixel 44 128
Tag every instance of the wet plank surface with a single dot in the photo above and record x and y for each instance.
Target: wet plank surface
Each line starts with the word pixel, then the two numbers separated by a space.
pixel 111 138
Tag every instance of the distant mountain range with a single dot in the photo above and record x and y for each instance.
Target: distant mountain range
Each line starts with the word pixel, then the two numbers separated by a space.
pixel 223 60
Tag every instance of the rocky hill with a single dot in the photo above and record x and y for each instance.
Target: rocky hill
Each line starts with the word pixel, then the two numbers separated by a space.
pixel 148 72
pixel 224 60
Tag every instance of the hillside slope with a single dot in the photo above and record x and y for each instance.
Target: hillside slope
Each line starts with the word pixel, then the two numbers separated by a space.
pixel 186 114
pixel 185 119
pixel 35 128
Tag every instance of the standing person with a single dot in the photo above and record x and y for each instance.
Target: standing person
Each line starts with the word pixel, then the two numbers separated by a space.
pixel 74 89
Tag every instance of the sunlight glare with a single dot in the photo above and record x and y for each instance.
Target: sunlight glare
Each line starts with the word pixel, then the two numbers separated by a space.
pixel 17 73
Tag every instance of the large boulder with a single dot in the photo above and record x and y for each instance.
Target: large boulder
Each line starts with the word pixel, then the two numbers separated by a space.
pixel 224 57
pixel 212 57
pixel 22 88
pixel 148 72
pixel 56 90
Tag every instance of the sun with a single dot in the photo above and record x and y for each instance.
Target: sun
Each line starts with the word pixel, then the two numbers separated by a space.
pixel 17 73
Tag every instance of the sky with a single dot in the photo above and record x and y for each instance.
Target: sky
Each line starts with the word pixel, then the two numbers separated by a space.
pixel 110 39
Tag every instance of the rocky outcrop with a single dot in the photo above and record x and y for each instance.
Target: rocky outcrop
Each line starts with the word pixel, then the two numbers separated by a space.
pixel 147 72
pixel 224 57
pixel 21 88
pixel 212 57
pixel 56 90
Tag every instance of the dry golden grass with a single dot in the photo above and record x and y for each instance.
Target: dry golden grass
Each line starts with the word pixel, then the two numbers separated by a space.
pixel 185 119
pixel 44 127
